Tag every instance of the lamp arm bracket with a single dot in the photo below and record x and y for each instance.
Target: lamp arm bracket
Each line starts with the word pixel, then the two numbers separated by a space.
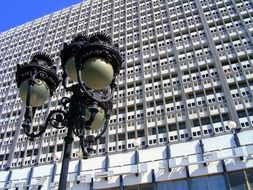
pixel 57 119
pixel 32 135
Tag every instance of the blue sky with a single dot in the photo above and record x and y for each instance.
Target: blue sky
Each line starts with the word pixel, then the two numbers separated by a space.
pixel 16 12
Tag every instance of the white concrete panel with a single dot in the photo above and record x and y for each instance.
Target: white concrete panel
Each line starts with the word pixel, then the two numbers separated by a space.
pixel 83 173
pixel 177 173
pixel 45 185
pixel 166 175
pixel 225 154
pixel 132 179
pixel 41 181
pixel 81 186
pixel 58 168
pixel 121 159
pixel 217 143
pixel 194 158
pixel 249 163
pixel 97 171
pixel 200 169
pixel 40 171
pixel 102 183
pixel 185 148
pixel 57 178
pixel 234 164
pixel 123 169
pixel 72 177
pixel 20 173
pixel 245 137
pixel 4 175
pixel 2 184
pixel 73 166
pixel 151 154
pixel 179 162
pixel 93 163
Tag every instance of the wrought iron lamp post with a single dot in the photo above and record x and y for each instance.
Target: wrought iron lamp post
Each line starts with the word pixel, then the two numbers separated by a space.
pixel 92 63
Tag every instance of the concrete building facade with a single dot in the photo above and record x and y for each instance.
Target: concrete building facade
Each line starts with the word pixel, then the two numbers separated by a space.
pixel 188 71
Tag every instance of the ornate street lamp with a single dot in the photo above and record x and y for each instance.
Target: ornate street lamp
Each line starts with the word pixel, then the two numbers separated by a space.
pixel 92 63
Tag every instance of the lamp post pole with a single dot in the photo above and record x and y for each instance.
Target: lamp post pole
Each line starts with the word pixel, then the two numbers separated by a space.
pixel 68 144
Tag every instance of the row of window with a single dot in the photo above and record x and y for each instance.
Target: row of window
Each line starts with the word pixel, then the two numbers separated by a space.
pixel 238 180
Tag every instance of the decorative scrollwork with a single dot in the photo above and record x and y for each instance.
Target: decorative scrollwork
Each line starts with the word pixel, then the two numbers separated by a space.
pixel 42 56
pixel 42 74
pixel 27 127
pixel 57 119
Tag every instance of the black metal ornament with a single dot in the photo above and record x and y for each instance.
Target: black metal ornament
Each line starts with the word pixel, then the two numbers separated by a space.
pixel 81 48
pixel 41 66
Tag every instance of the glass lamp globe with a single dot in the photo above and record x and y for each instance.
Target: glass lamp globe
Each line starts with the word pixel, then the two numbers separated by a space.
pixel 39 92
pixel 136 143
pixel 99 119
pixel 232 125
pixel 97 73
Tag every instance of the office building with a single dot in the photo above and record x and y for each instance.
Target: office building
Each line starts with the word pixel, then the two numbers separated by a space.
pixel 188 72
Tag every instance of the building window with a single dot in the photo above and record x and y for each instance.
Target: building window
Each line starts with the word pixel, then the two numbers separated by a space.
pixel 196 122
pixel 237 180
pixel 201 183
pixel 249 174
pixel 205 121
pixel 162 129
pixel 172 127
pixel 173 185
pixel 140 187
pixel 250 112
pixel 140 133
pixel 182 125
pixel 51 149
pixel 121 136
pixel 59 147
pixel 131 135
pixel 225 117
pixel 241 114
pixel 102 140
pixel 216 119
pixel 35 152
pixel 29 153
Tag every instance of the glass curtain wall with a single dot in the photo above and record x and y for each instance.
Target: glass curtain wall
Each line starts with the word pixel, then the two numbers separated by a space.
pixel 238 180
